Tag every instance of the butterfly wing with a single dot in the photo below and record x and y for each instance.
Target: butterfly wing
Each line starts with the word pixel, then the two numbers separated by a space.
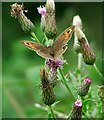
pixel 59 45
pixel 40 49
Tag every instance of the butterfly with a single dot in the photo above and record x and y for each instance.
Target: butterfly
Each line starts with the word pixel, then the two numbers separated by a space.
pixel 56 50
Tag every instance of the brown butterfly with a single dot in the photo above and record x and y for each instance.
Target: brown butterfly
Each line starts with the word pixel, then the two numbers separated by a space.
pixel 56 50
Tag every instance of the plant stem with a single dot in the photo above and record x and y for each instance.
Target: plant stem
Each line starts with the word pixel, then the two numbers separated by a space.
pixel 79 65
pixel 97 70
pixel 34 36
pixel 79 60
pixel 52 113
pixel 45 37
pixel 65 83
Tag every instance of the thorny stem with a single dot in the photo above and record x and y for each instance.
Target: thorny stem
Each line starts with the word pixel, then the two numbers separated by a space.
pixel 52 113
pixel 34 36
pixel 98 71
pixel 65 82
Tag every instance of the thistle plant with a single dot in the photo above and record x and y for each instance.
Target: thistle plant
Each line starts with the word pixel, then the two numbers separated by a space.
pixel 52 72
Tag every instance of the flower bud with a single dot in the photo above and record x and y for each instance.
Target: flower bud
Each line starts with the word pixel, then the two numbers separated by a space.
pixel 48 22
pixel 78 23
pixel 84 87
pixel 47 90
pixel 76 113
pixel 88 55
pixel 17 12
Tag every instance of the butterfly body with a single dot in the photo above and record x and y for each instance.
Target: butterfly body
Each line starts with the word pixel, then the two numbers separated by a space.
pixel 56 50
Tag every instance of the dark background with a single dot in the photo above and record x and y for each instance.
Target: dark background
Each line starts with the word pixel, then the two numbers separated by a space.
pixel 21 66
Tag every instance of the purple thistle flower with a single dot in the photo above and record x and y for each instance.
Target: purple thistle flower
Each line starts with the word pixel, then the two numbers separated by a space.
pixel 42 10
pixel 87 80
pixel 76 113
pixel 78 104
pixel 53 65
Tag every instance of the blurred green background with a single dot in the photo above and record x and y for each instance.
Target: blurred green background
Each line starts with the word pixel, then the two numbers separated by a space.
pixel 21 66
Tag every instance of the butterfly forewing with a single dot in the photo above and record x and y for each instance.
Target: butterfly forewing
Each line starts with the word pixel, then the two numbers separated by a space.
pixel 62 41
pixel 40 49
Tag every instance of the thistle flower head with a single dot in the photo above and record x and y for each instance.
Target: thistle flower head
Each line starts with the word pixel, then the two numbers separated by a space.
pixel 78 104
pixel 48 21
pixel 83 88
pixel 76 113
pixel 53 65
pixel 16 10
pixel 87 80
pixel 47 90
pixel 42 10
pixel 88 54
